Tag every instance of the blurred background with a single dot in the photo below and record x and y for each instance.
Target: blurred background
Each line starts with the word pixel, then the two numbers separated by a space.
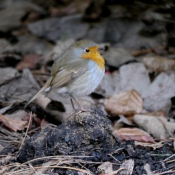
pixel 33 33
pixel 36 26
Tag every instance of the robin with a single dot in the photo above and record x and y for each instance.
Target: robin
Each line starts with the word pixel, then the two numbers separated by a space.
pixel 76 72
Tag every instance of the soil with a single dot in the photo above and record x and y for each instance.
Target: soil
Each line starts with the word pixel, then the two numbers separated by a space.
pixel 90 134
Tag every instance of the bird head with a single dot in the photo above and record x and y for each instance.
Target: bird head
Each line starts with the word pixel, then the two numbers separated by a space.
pixel 87 49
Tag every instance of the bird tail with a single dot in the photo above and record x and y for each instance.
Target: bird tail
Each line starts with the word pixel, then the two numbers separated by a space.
pixel 42 90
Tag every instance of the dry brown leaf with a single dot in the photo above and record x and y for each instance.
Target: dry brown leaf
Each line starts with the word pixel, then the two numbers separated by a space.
pixel 17 115
pixel 121 122
pixel 134 134
pixel 159 64
pixel 36 120
pixel 139 52
pixel 44 123
pixel 13 124
pixel 155 113
pixel 159 127
pixel 63 11
pixel 126 103
pixel 29 61
pixel 150 145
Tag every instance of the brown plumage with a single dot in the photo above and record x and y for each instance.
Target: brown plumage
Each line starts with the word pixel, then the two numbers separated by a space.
pixel 76 72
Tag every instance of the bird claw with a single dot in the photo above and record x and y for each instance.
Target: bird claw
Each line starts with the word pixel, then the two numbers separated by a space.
pixel 78 117
pixel 76 114
pixel 83 110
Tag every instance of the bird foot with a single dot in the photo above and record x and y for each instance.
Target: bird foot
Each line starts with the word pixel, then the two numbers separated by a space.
pixel 83 110
pixel 77 116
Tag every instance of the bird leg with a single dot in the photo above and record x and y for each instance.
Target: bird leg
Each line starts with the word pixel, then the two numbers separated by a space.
pixel 81 109
pixel 71 99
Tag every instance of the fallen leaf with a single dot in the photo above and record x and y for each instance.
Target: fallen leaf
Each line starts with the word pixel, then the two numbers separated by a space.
pixel 44 123
pixel 37 121
pixel 159 64
pixel 8 74
pixel 156 114
pixel 54 29
pixel 159 127
pixel 150 145
pixel 12 14
pixel 134 76
pixel 128 166
pixel 106 167
pixel 130 76
pixel 126 103
pixel 20 89
pixel 113 56
pixel 17 115
pixel 63 11
pixel 130 34
pixel 13 124
pixel 121 122
pixel 133 134
pixel 109 85
pixel 148 169
pixel 169 126
pixel 4 109
pixel 29 61
pixel 157 95
pixel 139 52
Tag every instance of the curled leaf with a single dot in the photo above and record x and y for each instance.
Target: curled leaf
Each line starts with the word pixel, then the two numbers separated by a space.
pixel 159 64
pixel 149 145
pixel 159 127
pixel 30 61
pixel 13 124
pixel 126 103
pixel 134 134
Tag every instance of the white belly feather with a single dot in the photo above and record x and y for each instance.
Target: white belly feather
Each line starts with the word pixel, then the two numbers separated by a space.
pixel 85 84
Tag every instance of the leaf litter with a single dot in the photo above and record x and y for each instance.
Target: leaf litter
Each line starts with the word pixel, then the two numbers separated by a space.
pixel 135 94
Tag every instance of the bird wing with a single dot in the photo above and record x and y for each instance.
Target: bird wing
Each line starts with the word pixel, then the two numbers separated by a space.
pixel 67 73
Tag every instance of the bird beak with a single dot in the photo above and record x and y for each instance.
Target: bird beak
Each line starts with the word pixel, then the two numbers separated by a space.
pixel 95 48
pixel 100 49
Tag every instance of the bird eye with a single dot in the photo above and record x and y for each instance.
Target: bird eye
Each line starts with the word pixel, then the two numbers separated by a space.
pixel 87 50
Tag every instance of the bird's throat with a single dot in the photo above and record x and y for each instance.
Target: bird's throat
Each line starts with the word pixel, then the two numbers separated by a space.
pixel 96 57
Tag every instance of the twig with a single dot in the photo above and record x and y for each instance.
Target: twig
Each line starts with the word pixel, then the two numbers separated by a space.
pixel 26 131
pixel 63 167
pixel 169 157
pixel 53 157
pixel 66 167
pixel 169 171
pixel 85 168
